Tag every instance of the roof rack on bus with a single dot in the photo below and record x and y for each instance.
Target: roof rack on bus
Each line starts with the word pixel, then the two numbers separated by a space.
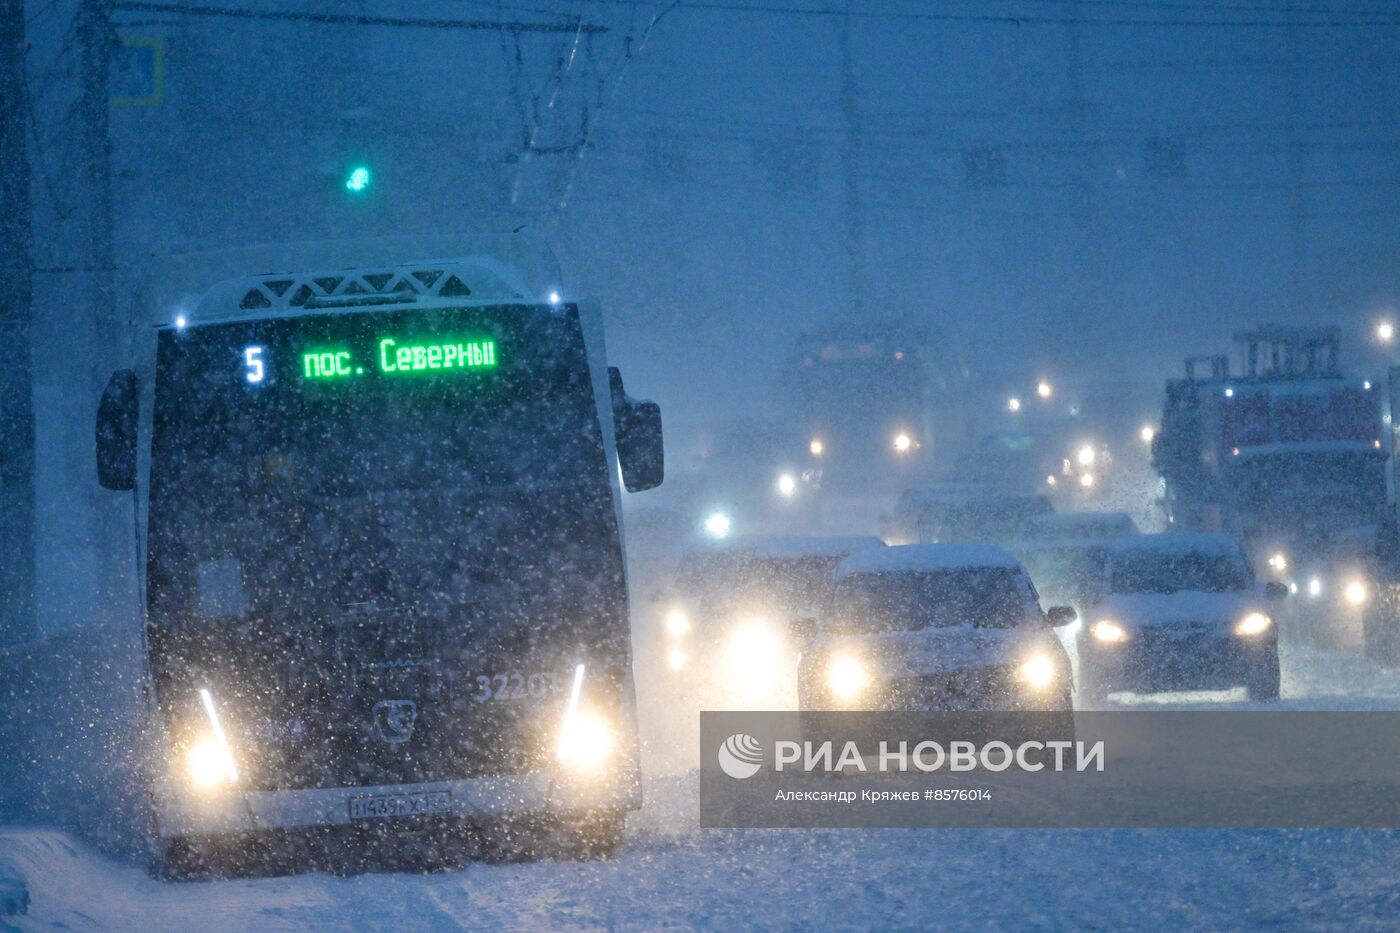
pixel 469 278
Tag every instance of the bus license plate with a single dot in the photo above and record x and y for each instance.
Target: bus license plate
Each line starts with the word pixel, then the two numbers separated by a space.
pixel 384 806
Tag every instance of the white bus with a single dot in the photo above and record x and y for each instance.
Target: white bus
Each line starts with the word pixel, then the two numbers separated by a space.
pixel 379 524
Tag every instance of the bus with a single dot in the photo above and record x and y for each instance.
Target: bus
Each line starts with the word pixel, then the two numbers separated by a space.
pixel 382 575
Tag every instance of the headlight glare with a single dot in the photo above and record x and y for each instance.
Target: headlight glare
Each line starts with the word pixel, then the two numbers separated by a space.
pixel 1108 631
pixel 677 622
pixel 1356 592
pixel 847 677
pixel 205 764
pixel 209 761
pixel 586 742
pixel 586 739
pixel 1256 623
pixel 1038 672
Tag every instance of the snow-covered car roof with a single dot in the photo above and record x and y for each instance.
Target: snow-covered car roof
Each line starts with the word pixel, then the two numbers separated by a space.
pixel 1174 542
pixel 918 558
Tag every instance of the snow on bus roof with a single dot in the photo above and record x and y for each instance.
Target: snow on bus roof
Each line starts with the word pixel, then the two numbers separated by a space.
pixel 1178 542
pixel 915 558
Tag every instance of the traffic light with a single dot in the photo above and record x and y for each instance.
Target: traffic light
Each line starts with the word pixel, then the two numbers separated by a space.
pixel 358 180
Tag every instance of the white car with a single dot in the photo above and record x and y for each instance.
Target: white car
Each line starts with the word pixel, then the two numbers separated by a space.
pixel 1179 612
pixel 934 627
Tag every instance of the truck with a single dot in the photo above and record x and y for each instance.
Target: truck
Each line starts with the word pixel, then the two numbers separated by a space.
pixel 379 542
pixel 1286 454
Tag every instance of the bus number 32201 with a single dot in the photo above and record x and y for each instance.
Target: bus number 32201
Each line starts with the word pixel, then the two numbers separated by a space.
pixel 515 686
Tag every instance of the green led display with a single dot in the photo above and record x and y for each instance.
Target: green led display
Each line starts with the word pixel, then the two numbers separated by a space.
pixel 395 357
pixel 328 364
pixel 402 357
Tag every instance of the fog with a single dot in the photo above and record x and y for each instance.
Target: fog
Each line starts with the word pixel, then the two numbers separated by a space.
pixel 879 263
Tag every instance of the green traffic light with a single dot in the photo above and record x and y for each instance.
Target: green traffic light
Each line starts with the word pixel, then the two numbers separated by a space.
pixel 358 179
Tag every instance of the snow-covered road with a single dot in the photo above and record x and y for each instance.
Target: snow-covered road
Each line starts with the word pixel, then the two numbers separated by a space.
pixel 670 873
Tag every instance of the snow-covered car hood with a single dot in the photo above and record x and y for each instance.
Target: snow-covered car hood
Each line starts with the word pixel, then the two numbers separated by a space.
pixel 1143 610
pixel 941 650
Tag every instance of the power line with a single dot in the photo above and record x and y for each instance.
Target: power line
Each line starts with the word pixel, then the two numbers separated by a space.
pixel 344 19
pixel 1011 19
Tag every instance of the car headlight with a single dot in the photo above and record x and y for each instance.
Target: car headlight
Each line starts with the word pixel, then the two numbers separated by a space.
pixel 754 652
pixel 1256 623
pixel 1039 671
pixel 1278 562
pixel 847 677
pixel 209 761
pixel 1356 592
pixel 1108 631
pixel 677 622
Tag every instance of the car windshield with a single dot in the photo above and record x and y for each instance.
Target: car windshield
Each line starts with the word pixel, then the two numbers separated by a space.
pixel 982 597
pixel 1176 571
pixel 295 464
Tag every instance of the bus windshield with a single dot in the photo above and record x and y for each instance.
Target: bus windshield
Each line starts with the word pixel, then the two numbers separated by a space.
pixel 383 458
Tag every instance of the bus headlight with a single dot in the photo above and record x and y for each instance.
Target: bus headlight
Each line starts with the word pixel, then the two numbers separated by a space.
pixel 847 677
pixel 205 764
pixel 1256 623
pixel 1039 672
pixel 1108 631
pixel 209 761
pixel 1356 592
pixel 586 742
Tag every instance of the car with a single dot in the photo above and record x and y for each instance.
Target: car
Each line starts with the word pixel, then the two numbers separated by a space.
pixel 934 627
pixel 725 620
pixel 1065 554
pixel 1179 611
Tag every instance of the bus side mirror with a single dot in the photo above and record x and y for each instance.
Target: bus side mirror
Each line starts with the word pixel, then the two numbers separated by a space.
pixel 637 427
pixel 116 432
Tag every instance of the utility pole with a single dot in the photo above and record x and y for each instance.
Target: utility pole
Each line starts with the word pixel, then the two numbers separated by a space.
pixel 850 116
pixel 100 329
pixel 1084 314
pixel 16 379
pixel 96 37
pixel 1299 300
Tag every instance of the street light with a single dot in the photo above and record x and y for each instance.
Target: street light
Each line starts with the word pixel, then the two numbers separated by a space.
pixel 787 485
pixel 1013 404
pixel 1147 433
pixel 1044 389
pixel 1086 455
pixel 903 442
pixel 1385 332
pixel 817 448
